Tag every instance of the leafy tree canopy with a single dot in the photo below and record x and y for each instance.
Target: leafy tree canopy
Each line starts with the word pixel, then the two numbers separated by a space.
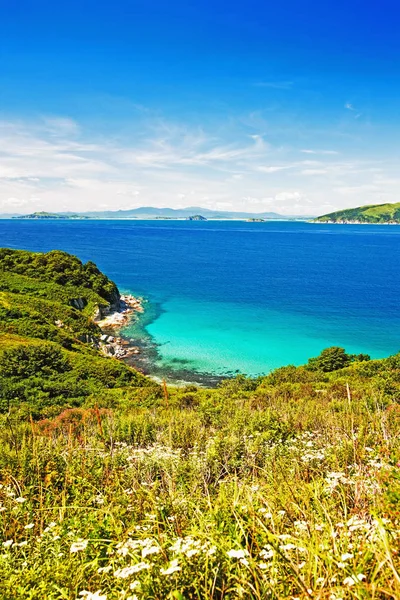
pixel 334 358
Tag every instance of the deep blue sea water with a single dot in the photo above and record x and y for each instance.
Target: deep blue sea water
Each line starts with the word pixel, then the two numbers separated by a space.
pixel 227 296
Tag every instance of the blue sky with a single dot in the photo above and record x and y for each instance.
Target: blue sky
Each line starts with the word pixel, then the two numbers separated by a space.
pixel 291 106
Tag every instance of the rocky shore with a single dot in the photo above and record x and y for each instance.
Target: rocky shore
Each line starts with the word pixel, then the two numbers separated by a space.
pixel 110 344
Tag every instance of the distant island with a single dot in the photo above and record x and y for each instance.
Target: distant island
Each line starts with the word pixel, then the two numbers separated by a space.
pixel 196 213
pixel 47 215
pixel 196 218
pixel 253 220
pixel 388 214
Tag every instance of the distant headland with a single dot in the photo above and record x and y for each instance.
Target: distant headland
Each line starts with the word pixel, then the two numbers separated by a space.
pixel 384 214
pixel 47 215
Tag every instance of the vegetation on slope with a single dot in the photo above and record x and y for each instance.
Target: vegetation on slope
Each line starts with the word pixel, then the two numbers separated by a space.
pixel 285 486
pixel 48 340
pixel 376 213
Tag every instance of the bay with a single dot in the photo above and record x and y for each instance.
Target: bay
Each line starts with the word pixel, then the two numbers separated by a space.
pixel 230 296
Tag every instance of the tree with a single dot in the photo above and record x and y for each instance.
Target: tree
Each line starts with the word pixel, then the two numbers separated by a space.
pixel 334 358
pixel 330 359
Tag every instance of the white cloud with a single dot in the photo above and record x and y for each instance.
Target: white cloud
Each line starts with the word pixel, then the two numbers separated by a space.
pixel 53 164
pixel 61 126
pixel 327 152
pixel 273 169
pixel 314 171
pixel 285 196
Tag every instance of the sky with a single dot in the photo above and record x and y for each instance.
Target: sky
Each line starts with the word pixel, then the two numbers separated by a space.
pixel 291 106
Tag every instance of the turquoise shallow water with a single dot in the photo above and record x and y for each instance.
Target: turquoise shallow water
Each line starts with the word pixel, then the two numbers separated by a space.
pixel 234 296
pixel 226 337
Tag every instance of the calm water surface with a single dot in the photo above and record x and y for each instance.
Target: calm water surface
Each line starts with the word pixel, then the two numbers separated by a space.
pixel 228 296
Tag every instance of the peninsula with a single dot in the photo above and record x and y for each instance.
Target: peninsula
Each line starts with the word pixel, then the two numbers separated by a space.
pixel 388 214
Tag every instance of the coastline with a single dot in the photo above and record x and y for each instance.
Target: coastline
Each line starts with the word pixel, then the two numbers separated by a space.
pixel 112 344
pixel 141 351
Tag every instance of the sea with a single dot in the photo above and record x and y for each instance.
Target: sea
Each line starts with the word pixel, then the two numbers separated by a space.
pixel 227 297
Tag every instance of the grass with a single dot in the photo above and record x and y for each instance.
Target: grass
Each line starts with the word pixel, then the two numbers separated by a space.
pixel 239 492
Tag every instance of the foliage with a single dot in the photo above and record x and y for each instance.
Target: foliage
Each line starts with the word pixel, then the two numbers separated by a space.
pixel 48 340
pixel 58 267
pixel 334 358
pixel 375 213
pixel 264 491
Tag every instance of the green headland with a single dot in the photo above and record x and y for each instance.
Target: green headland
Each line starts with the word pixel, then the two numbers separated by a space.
pixel 374 213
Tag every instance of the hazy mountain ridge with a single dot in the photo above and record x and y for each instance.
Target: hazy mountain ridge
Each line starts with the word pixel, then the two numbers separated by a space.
pixel 151 212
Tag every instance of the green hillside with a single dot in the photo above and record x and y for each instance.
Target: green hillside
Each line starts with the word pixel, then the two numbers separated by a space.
pixel 375 213
pixel 49 356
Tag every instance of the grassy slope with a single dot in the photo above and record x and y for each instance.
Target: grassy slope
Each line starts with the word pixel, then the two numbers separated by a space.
pixel 379 213
pixel 287 486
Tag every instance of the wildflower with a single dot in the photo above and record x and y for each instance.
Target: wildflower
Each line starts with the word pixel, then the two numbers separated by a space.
pixel 173 568
pixel 78 546
pixel 93 595
pixel 29 526
pixel 287 547
pixel 267 553
pixel 22 544
pixel 354 579
pixel 20 500
pixel 8 543
pixel 301 525
pixel 150 550
pixel 135 585
pixel 346 556
pixel 236 553
pixel 244 562
pixel 104 569
pixel 126 572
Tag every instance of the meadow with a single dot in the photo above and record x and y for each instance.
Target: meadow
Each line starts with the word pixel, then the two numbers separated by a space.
pixel 270 489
